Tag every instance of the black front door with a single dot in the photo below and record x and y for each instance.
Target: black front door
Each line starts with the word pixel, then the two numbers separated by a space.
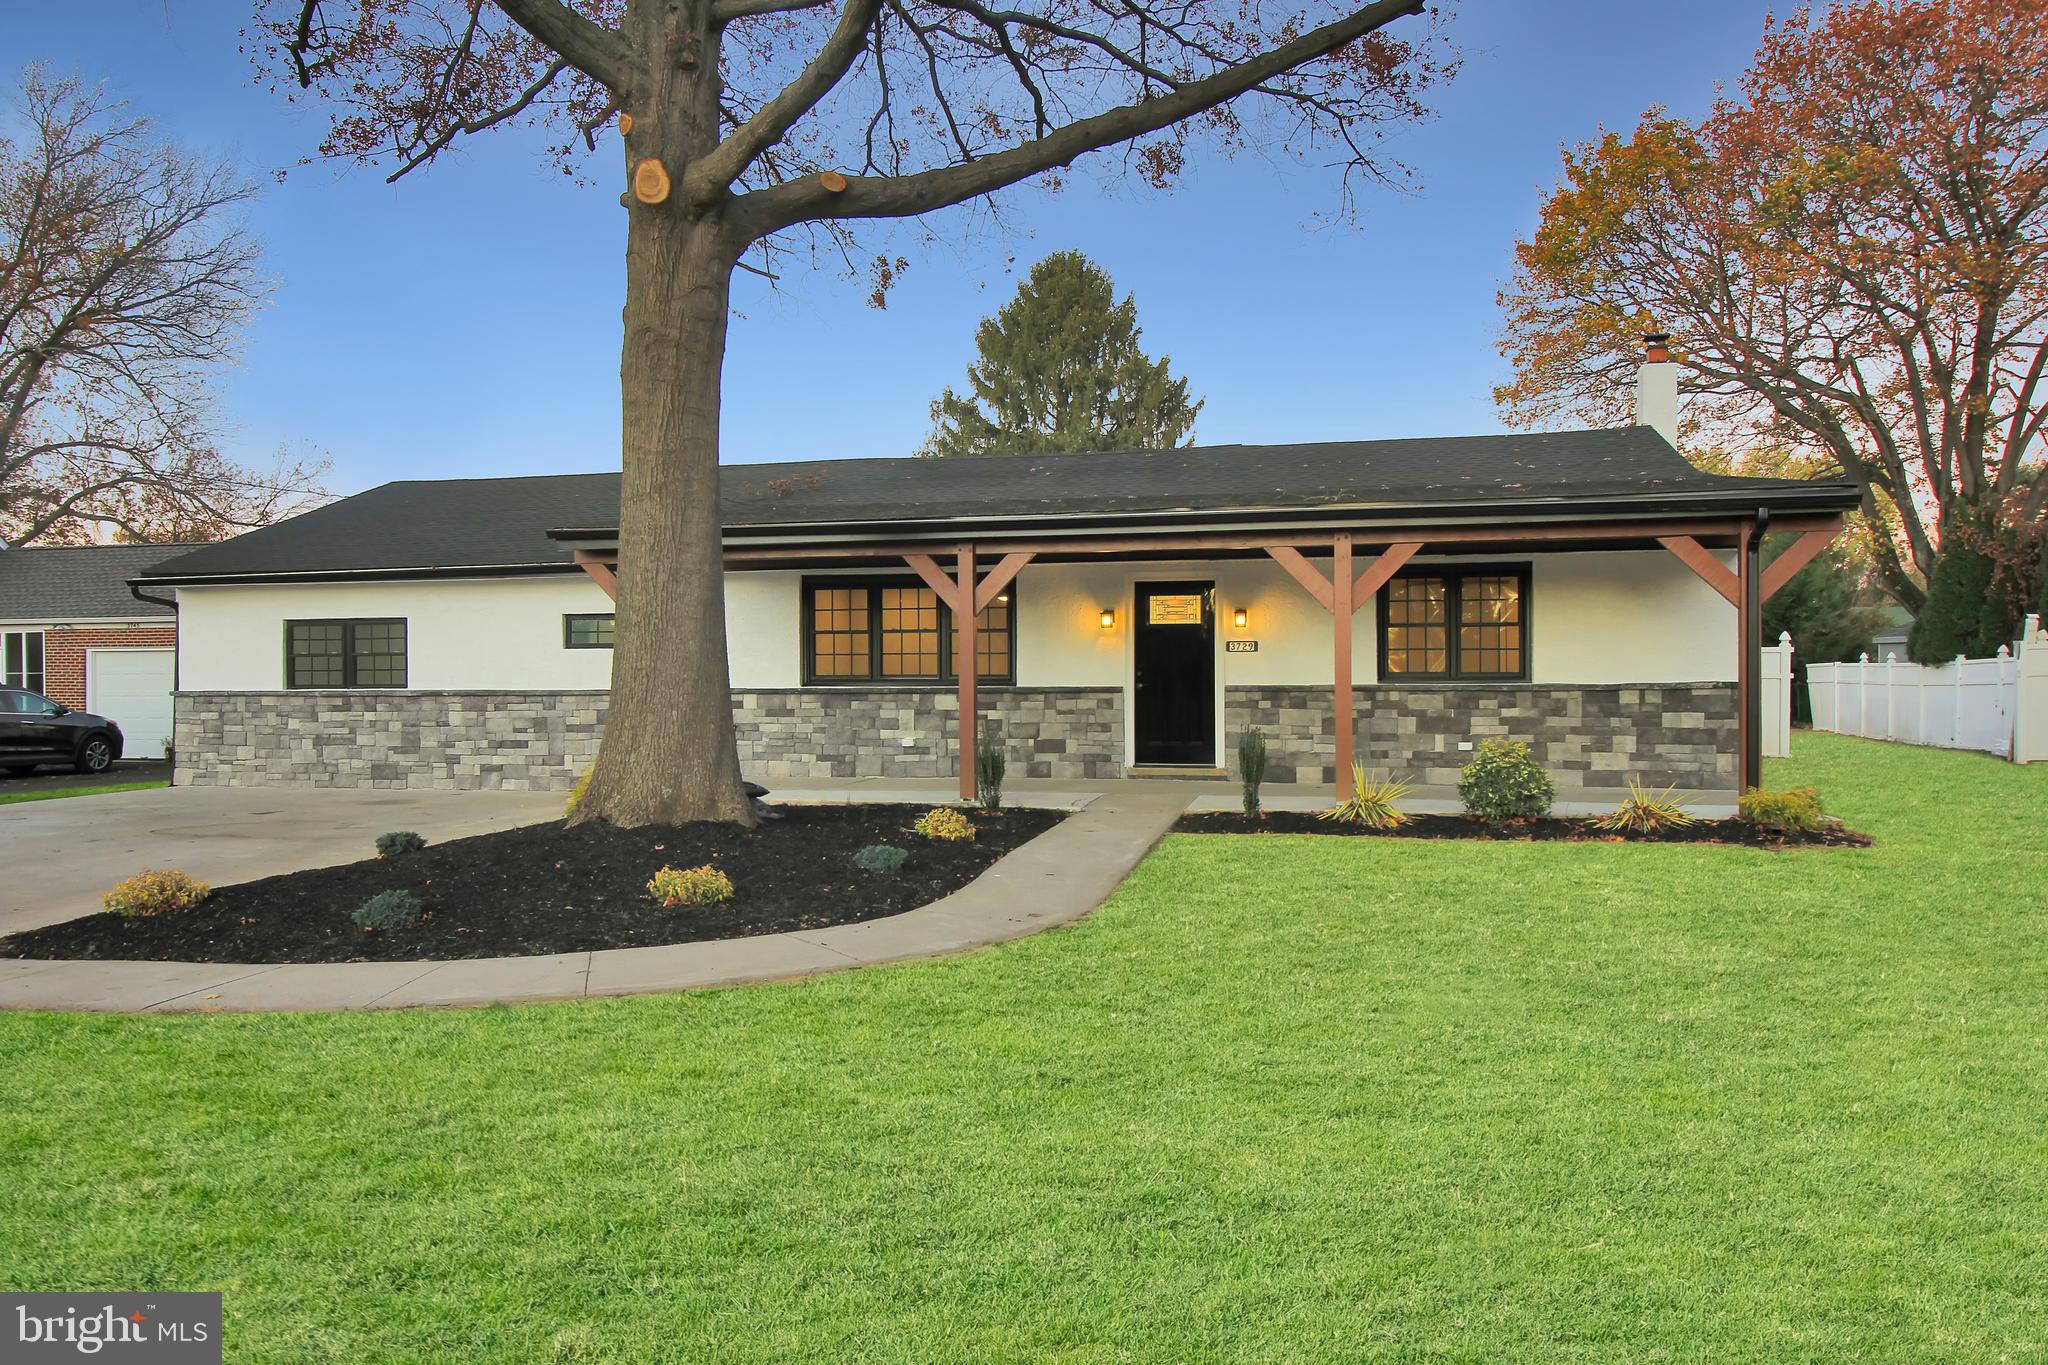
pixel 1175 643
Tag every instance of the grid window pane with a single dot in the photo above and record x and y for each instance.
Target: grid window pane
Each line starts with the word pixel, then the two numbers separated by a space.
pixel 900 632
pixel 344 653
pixel 1489 626
pixel 1418 626
pixel 314 655
pixel 839 633
pixel 992 641
pixel 589 632
pixel 1457 625
pixel 377 654
pixel 910 633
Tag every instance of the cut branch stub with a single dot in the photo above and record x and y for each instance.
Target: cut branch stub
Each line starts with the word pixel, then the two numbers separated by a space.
pixel 833 181
pixel 625 123
pixel 650 181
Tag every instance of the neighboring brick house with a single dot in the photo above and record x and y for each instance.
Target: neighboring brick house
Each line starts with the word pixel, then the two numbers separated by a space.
pixel 71 630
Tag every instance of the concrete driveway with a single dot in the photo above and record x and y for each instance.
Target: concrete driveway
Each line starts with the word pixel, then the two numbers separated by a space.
pixel 57 857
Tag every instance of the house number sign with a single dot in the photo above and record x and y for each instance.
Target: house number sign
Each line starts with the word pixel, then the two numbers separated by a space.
pixel 1240 646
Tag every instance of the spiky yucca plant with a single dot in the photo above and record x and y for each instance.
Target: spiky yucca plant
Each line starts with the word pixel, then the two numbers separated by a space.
pixel 1644 811
pixel 1374 801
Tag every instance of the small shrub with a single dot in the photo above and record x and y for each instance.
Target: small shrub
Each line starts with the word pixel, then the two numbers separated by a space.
pixel 158 891
pixel 1251 769
pixel 398 843
pixel 1505 782
pixel 674 886
pixel 1797 809
pixel 990 763
pixel 883 859
pixel 388 910
pixel 944 824
pixel 576 794
pixel 1643 811
pixel 1374 802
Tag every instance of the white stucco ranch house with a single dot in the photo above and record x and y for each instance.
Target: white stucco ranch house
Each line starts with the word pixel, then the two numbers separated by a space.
pixel 1396 601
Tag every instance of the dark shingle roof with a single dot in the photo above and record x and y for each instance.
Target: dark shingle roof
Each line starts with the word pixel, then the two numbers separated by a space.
pixel 78 583
pixel 502 523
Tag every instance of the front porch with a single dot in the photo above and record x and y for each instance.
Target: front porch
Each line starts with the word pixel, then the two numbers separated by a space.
pixel 1581 686
pixel 1198 794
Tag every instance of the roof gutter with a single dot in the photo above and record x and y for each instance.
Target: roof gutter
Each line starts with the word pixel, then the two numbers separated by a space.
pixel 1822 496
pixel 135 591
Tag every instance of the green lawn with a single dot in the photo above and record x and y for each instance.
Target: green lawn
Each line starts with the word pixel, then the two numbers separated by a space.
pixel 1282 1099
pixel 59 793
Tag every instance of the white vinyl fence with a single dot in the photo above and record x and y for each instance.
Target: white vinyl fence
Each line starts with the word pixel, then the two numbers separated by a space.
pixel 1997 705
pixel 1776 699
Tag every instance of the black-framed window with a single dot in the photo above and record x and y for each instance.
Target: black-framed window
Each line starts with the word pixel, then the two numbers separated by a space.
pixel 1457 624
pixel 895 630
pixel 21 659
pixel 367 653
pixel 587 630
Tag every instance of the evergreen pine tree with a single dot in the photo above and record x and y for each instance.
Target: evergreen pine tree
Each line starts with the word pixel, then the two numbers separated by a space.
pixel 1060 369
pixel 1952 622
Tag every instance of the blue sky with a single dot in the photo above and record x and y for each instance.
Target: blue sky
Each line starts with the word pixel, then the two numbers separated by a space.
pixel 465 321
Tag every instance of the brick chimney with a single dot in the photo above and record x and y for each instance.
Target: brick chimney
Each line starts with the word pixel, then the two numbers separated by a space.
pixel 1657 388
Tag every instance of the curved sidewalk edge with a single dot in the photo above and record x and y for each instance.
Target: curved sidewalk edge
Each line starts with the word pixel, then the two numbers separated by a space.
pixel 1054 879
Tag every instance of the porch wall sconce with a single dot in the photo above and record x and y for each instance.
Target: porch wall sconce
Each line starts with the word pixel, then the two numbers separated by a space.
pixel 1240 618
pixel 1109 618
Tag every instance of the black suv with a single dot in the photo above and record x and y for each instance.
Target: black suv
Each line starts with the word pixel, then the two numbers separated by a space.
pixel 35 730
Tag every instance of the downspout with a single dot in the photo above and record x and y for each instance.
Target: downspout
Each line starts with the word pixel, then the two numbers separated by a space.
pixel 177 660
pixel 1753 650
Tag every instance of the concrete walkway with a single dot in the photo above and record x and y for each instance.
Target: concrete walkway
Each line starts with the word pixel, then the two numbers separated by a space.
pixel 1055 879
pixel 1205 794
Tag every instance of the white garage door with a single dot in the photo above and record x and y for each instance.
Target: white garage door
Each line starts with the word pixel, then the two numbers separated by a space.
pixel 132 687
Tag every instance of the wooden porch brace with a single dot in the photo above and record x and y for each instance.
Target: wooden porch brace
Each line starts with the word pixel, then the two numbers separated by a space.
pixel 1747 587
pixel 1342 595
pixel 966 598
pixel 602 571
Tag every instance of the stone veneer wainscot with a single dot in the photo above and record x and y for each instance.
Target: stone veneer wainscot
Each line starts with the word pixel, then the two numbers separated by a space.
pixel 540 741
pixel 1587 736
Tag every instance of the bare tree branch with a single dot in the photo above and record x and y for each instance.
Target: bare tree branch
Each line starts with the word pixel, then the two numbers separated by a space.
pixel 708 176
pixel 763 211
pixel 591 48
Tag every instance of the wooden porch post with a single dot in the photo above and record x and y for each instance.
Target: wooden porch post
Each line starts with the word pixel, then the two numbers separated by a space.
pixel 1343 595
pixel 1340 697
pixel 964 665
pixel 1747 589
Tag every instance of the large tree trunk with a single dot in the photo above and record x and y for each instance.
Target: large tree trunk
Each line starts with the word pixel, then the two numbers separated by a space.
pixel 668 754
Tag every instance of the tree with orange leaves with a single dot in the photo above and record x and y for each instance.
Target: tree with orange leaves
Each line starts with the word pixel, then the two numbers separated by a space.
pixel 749 125
pixel 1852 253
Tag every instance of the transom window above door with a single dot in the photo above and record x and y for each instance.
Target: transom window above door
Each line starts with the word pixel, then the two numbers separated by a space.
pixel 1455 624
pixel 897 631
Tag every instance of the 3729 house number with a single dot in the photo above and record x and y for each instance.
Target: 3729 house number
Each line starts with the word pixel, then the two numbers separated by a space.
pixel 1240 646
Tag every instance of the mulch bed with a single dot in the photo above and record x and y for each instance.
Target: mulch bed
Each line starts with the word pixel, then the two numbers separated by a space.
pixel 554 889
pixel 1555 830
